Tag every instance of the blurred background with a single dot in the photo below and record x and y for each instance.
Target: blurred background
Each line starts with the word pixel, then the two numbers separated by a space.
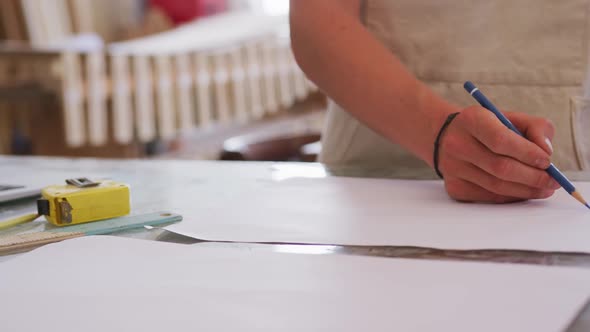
pixel 185 79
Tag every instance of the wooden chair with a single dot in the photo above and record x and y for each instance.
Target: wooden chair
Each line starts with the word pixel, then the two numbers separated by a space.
pixel 233 67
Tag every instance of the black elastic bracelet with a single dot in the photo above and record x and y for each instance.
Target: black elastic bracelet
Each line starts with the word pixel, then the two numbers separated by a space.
pixel 448 121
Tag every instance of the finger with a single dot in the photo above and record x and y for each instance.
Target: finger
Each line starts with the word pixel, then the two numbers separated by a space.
pixel 538 130
pixel 484 126
pixel 467 149
pixel 464 191
pixel 475 175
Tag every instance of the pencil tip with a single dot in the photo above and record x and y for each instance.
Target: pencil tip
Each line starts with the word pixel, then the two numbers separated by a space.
pixel 580 199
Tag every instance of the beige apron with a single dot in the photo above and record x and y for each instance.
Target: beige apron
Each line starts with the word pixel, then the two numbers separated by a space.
pixel 526 55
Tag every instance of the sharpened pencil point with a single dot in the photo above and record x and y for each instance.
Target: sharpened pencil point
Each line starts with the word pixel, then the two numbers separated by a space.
pixel 580 199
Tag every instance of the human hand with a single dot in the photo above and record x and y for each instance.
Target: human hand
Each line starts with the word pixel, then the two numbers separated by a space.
pixel 484 161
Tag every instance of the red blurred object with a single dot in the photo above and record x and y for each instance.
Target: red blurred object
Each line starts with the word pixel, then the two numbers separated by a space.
pixel 181 11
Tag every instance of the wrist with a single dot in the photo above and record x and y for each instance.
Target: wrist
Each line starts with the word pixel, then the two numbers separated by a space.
pixel 437 111
pixel 437 143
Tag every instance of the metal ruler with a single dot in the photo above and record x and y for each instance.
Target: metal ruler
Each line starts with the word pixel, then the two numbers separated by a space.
pixel 13 244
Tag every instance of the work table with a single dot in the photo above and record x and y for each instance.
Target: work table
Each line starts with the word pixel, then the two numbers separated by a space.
pixel 151 180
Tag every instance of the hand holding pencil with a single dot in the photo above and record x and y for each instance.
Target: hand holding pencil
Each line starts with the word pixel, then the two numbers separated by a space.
pixel 551 170
pixel 482 160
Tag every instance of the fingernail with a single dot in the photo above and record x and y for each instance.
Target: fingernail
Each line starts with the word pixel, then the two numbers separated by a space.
pixel 549 145
pixel 542 163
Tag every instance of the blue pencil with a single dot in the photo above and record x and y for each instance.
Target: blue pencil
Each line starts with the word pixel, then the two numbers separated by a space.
pixel 552 170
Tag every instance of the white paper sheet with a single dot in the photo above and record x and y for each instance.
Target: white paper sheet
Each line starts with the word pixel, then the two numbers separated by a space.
pixel 114 284
pixel 352 211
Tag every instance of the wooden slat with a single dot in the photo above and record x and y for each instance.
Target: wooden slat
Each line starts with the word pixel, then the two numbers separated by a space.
pixel 72 99
pixel 97 98
pixel 238 85
pixel 56 20
pixel 184 92
pixel 254 79
pixel 144 98
pixel 49 20
pixel 270 77
pixel 34 21
pixel 121 96
pixel 203 88
pixel 63 19
pixel 221 86
pixel 165 97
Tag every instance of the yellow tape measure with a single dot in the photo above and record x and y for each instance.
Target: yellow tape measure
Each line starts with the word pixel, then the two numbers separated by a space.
pixel 82 200
pixel 79 201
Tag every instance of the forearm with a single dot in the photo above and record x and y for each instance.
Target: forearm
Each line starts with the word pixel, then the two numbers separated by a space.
pixel 340 56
